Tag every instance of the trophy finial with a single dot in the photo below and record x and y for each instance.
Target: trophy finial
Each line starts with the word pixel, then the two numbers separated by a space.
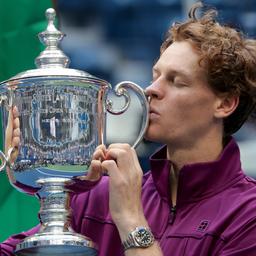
pixel 50 14
pixel 52 56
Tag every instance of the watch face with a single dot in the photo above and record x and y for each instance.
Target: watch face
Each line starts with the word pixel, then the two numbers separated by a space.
pixel 143 237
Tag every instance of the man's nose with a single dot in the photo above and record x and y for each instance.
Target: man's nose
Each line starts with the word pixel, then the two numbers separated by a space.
pixel 153 90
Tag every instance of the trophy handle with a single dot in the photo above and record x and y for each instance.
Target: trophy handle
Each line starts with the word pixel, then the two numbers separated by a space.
pixel 5 160
pixel 120 91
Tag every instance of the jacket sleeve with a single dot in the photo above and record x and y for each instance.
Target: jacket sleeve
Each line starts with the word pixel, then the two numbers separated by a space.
pixel 243 243
pixel 8 246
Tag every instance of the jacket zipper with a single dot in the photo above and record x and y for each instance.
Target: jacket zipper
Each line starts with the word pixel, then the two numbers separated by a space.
pixel 173 212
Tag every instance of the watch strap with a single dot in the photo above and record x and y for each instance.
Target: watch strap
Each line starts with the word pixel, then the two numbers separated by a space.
pixel 129 242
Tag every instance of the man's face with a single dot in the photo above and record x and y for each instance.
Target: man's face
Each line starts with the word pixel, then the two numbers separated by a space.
pixel 182 105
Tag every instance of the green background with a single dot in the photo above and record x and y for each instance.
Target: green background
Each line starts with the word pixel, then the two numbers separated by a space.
pixel 20 22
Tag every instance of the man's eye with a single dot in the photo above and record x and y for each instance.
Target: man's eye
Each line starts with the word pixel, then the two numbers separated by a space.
pixel 180 83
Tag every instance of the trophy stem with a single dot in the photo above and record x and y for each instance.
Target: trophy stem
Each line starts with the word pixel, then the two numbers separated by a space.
pixel 55 211
pixel 56 236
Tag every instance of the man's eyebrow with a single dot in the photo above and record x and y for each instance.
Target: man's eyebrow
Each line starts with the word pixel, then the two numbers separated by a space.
pixel 179 72
pixel 175 72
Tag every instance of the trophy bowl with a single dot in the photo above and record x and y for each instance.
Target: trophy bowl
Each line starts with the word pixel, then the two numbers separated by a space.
pixel 62 115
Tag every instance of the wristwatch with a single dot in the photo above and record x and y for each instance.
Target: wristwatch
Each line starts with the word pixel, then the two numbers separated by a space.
pixel 140 237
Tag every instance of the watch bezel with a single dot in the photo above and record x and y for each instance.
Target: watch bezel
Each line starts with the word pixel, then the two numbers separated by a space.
pixel 142 233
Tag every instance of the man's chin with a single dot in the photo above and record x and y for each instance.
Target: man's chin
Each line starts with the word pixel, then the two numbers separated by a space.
pixel 150 137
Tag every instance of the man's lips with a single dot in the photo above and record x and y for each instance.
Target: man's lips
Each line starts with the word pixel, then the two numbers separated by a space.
pixel 153 113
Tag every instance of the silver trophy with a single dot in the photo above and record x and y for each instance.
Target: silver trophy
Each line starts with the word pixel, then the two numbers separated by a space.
pixel 62 114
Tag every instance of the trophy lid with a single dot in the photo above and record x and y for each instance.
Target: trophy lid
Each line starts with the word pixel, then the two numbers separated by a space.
pixel 52 61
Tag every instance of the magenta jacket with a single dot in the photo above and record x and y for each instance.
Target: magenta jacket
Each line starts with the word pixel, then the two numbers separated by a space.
pixel 215 212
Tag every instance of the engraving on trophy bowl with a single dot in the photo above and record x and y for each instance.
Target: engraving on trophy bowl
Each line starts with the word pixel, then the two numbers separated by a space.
pixel 60 123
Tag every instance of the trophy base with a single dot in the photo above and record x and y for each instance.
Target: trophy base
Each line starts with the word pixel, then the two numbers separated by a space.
pixel 56 244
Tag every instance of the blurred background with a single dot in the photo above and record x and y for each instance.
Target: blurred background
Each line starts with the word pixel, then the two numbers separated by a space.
pixel 119 40
pixel 114 40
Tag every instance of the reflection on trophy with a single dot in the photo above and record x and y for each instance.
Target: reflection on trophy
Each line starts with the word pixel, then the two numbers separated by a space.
pixel 62 114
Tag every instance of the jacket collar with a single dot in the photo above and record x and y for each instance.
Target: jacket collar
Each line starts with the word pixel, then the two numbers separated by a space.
pixel 200 180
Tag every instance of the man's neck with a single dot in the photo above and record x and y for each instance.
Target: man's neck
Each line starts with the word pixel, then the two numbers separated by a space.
pixel 202 151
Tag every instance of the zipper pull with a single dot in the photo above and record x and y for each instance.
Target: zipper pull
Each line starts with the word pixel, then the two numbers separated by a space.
pixel 172 214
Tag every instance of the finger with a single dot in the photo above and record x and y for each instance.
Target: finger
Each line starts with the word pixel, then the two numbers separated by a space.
pixel 9 131
pixel 118 154
pixel 16 122
pixel 95 171
pixel 15 111
pixel 16 132
pixel 100 153
pixel 14 154
pixel 110 167
pixel 101 146
pixel 124 146
pixel 15 142
pixel 118 151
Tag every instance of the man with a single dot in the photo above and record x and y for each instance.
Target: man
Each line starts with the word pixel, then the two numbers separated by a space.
pixel 196 200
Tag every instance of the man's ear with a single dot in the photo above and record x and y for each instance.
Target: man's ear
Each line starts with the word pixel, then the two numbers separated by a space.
pixel 226 105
